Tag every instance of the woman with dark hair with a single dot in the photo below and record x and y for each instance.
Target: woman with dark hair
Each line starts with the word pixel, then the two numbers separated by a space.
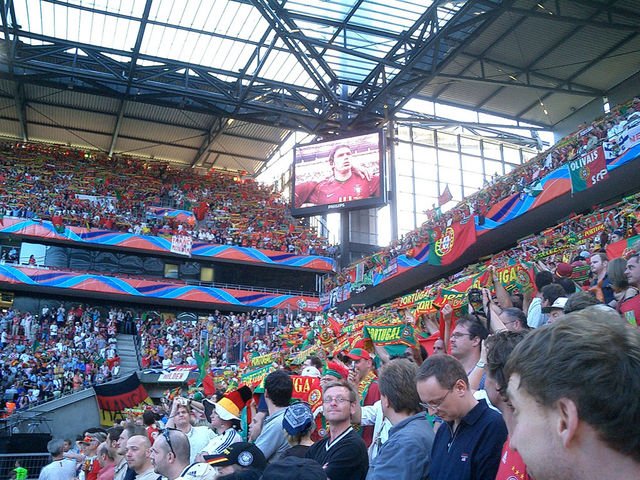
pixel 622 291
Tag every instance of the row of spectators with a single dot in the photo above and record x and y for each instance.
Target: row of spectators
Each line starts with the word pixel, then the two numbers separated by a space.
pixel 230 336
pixel 520 180
pixel 74 188
pixel 55 352
pixel 432 417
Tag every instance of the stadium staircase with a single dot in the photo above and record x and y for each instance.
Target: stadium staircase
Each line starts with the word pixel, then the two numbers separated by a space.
pixel 128 352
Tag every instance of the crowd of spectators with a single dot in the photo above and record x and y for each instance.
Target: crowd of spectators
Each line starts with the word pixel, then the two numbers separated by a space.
pixel 167 341
pixel 76 188
pixel 55 352
pixel 521 179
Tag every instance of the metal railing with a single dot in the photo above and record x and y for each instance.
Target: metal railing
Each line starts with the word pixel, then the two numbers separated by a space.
pixel 33 462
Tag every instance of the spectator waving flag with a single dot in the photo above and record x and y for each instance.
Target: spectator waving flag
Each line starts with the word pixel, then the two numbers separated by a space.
pixel 445 197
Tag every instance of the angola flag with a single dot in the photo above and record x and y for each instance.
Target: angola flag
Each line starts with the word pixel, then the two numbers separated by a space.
pixel 453 242
pixel 113 398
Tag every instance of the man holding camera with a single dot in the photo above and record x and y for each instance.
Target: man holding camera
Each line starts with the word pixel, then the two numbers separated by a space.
pixel 180 418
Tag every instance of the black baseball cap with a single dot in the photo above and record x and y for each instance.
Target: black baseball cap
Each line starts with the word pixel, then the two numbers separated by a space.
pixel 294 467
pixel 242 453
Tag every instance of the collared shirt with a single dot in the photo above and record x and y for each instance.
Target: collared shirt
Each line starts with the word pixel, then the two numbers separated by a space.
pixel 148 475
pixel 407 452
pixel 199 437
pixel 198 471
pixel 107 472
pixel 59 470
pixel 120 470
pixel 472 451
pixel 271 441
pixel 222 441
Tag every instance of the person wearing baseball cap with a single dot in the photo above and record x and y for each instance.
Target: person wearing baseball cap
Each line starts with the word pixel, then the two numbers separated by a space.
pixel 364 378
pixel 556 310
pixel 238 457
pixel 224 417
pixel 298 426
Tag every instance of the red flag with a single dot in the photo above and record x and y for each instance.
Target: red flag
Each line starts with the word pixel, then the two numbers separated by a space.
pixel 453 242
pixel 445 197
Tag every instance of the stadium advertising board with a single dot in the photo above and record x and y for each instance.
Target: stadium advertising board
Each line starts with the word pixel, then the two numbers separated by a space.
pixel 341 174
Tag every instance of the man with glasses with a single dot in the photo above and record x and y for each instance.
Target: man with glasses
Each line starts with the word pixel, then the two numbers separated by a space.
pixel 407 452
pixel 466 341
pixel 342 454
pixel 170 455
pixel 469 443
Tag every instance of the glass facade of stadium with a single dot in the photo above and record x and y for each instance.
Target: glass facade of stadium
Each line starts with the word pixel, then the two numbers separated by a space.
pixel 427 159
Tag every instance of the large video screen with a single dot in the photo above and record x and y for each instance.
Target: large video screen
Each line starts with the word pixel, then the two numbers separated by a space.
pixel 342 174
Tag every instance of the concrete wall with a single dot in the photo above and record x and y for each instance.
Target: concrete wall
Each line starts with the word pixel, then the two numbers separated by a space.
pixel 619 94
pixel 67 416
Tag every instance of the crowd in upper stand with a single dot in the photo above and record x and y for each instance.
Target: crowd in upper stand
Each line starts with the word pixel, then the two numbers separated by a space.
pixel 56 351
pixel 521 179
pixel 76 188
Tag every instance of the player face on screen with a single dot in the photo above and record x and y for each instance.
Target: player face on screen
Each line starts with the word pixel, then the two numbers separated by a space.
pixel 341 159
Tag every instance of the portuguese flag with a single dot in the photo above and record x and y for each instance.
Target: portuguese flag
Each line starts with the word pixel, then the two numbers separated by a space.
pixel 620 249
pixel 453 242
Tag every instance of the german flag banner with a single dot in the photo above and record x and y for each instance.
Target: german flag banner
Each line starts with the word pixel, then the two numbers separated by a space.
pixel 114 398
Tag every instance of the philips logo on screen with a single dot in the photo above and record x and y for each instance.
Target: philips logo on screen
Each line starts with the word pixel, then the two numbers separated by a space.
pixel 337 205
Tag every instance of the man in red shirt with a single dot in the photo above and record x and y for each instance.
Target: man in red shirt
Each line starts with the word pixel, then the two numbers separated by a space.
pixel 347 183
pixel 497 349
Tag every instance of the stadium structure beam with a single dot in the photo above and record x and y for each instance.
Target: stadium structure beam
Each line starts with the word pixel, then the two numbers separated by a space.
pixel 215 130
pixel 270 102
pixel 608 8
pixel 555 45
pixel 306 55
pixel 95 132
pixel 424 58
pixel 132 70
pixel 485 51
pixel 586 67
pixel 585 22
pixel 6 10
pixel 248 157
pixel 343 26
pixel 515 83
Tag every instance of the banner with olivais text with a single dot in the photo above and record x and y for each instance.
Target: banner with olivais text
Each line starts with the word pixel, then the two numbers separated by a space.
pixel 588 170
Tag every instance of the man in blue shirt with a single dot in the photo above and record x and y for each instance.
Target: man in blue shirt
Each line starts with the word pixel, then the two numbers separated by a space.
pixel 406 453
pixel 468 445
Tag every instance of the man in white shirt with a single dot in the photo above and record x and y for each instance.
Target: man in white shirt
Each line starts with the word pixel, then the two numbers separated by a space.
pixel 170 458
pixel 138 457
pixel 180 418
pixel 60 468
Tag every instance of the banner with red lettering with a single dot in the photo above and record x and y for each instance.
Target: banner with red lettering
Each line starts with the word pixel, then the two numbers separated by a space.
pixel 114 398
pixel 307 389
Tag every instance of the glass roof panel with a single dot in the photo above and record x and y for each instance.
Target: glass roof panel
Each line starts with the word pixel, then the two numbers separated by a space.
pixel 89 27
pixel 225 34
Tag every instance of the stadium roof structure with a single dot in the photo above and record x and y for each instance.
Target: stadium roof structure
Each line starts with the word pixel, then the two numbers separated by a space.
pixel 222 83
